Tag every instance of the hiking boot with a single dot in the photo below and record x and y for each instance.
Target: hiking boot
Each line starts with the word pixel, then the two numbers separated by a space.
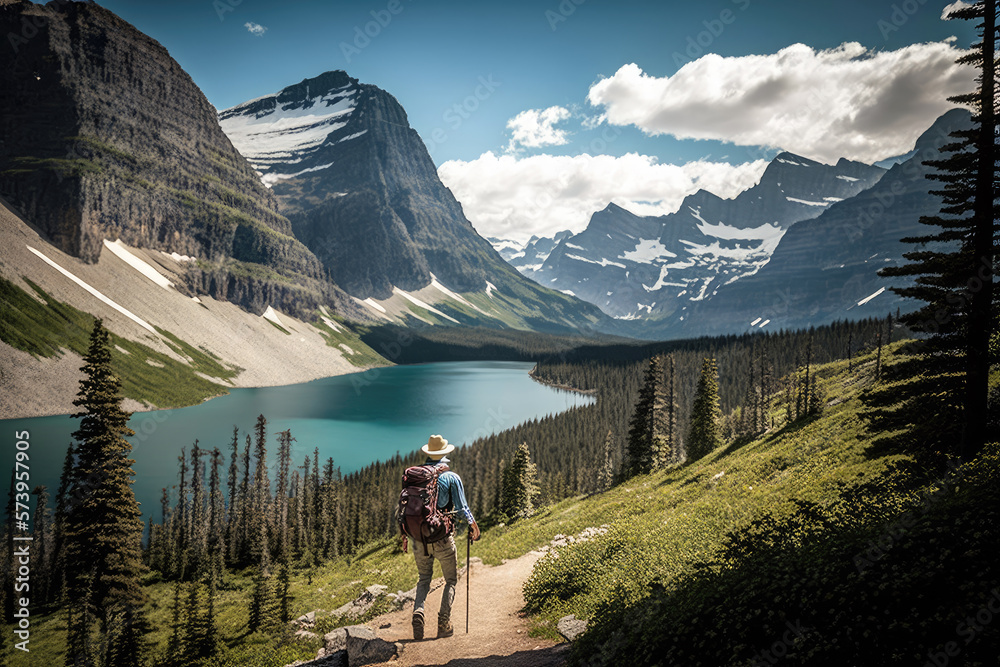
pixel 418 625
pixel 445 629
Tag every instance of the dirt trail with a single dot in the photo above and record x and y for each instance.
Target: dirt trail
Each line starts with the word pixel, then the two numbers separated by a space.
pixel 498 635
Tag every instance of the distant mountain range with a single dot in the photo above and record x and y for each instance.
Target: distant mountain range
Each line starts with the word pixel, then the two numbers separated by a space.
pixel 826 268
pixel 633 266
pixel 528 257
pixel 797 249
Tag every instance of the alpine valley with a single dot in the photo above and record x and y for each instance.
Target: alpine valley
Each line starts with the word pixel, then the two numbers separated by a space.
pixel 247 246
pixel 258 244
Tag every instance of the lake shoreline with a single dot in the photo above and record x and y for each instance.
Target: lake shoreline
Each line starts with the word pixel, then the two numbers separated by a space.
pixel 564 387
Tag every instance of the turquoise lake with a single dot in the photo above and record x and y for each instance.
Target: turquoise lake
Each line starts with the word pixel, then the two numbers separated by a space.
pixel 357 419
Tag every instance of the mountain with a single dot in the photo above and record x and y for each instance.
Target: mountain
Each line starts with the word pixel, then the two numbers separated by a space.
pixel 362 193
pixel 826 268
pixel 104 136
pixel 121 198
pixel 528 257
pixel 633 266
pixel 506 247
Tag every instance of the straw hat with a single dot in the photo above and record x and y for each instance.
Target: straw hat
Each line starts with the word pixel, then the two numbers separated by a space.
pixel 437 447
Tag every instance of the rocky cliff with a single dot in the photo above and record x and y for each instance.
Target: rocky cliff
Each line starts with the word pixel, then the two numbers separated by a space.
pixel 104 136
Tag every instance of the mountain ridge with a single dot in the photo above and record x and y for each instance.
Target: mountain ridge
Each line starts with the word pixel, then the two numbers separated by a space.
pixel 362 192
pixel 635 266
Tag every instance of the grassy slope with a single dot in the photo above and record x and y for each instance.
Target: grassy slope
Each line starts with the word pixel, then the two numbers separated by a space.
pixel 43 326
pixel 661 526
pixel 44 329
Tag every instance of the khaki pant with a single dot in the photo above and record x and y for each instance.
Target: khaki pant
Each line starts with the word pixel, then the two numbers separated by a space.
pixel 443 550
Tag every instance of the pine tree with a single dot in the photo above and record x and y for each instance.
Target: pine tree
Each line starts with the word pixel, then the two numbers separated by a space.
pixel 705 435
pixel 878 356
pixel 674 449
pixel 79 621
pixel 235 509
pixel 175 645
pixel 59 524
pixel 104 525
pixel 647 425
pixel 850 352
pixel 260 532
pixel 280 519
pixel 284 597
pixel 197 528
pixel 216 544
pixel 954 274
pixel 246 507
pixel 766 390
pixel 181 520
pixel 127 644
pixel 807 387
pixel 261 601
pixel 606 475
pixel 41 544
pixel 520 486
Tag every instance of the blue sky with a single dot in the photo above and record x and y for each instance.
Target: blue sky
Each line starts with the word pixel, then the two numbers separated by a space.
pixel 434 55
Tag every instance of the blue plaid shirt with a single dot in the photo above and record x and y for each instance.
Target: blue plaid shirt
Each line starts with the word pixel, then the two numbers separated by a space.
pixel 450 489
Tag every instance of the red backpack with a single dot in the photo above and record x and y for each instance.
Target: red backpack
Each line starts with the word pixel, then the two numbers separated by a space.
pixel 419 516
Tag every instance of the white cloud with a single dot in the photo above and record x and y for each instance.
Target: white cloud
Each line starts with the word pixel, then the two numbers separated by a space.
pixel 536 127
pixel 958 4
pixel 255 29
pixel 513 197
pixel 844 102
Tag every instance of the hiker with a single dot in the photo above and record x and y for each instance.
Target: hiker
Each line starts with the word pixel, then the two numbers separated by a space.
pixel 432 529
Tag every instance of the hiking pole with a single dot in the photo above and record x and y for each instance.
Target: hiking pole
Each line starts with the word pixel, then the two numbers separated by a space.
pixel 468 575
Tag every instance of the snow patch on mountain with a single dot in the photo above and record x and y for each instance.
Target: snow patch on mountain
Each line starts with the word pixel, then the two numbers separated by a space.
pixel 270 179
pixel 807 202
pixel 870 297
pixel 120 250
pixel 724 231
pixel 271 315
pixel 661 282
pixel 457 297
pixel 647 250
pixel 100 296
pixel 422 304
pixel 602 262
pixel 284 131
